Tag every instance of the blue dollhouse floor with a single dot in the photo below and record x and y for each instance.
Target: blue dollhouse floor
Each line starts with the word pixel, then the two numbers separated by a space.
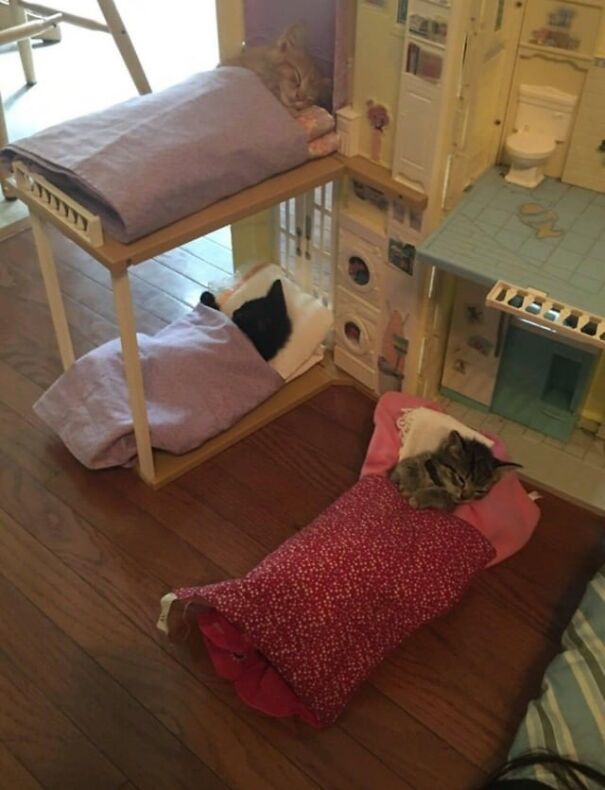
pixel 551 238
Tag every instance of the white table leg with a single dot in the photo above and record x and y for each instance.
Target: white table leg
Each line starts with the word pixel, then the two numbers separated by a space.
pixel 46 260
pixel 134 373
pixel 124 45
pixel 3 141
pixel 19 17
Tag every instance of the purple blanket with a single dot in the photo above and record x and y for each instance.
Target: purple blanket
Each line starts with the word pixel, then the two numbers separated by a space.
pixel 201 374
pixel 154 159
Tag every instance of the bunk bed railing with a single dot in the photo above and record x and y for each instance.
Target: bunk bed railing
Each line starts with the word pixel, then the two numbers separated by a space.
pixel 68 211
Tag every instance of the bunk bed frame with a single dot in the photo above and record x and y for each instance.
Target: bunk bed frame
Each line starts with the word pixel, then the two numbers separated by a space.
pixel 48 204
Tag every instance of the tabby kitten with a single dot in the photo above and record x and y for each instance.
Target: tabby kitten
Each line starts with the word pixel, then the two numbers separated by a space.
pixel 287 69
pixel 265 321
pixel 460 470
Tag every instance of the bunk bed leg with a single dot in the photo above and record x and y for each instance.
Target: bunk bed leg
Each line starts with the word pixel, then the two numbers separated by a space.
pixel 134 373
pixel 46 260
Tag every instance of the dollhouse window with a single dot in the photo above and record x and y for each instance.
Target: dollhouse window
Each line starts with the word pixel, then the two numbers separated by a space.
pixel 358 271
pixel 352 333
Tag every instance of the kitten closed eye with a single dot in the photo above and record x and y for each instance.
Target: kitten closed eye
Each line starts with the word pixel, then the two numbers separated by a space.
pixel 287 70
pixel 460 470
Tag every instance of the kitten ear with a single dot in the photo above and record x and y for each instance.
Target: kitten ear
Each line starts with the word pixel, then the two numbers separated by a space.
pixel 455 443
pixel 292 38
pixel 276 294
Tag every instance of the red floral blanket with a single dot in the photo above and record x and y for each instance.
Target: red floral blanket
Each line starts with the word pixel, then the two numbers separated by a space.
pixel 300 632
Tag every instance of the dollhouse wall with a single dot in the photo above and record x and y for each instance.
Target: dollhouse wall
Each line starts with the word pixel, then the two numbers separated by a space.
pixel 585 164
pixel 329 28
pixel 377 66
pixel 265 20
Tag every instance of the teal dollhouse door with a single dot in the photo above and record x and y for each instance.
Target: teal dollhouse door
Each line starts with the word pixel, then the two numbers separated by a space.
pixel 541 382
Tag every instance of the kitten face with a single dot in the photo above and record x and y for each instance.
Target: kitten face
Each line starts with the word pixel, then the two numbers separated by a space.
pixel 265 321
pixel 301 83
pixel 468 468
pixel 287 69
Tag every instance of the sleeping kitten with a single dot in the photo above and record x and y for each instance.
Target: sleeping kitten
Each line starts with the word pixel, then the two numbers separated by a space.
pixel 286 68
pixel 264 321
pixel 460 470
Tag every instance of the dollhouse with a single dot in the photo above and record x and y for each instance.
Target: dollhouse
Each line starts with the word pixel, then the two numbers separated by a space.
pixel 457 235
pixel 497 124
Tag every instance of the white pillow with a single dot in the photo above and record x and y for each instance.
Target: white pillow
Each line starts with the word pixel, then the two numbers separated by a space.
pixel 422 430
pixel 311 321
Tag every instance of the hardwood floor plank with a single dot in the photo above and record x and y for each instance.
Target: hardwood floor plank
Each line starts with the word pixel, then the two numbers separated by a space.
pixel 193 267
pixel 23 447
pixel 347 407
pixel 544 583
pixel 168 280
pixel 405 745
pixel 45 741
pixel 345 446
pixel 458 694
pixel 209 249
pixel 234 501
pixel 145 297
pixel 18 391
pixel 223 542
pixel 131 737
pixel 13 775
pixel 161 685
pixel 123 582
pixel 21 318
pixel 89 305
pixel 34 363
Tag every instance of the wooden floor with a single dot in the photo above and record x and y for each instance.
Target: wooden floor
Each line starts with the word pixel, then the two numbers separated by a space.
pixel 91 694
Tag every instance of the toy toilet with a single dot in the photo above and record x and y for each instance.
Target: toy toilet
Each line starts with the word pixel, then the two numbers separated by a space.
pixel 543 119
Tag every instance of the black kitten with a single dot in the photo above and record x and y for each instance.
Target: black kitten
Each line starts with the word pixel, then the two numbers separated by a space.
pixel 264 321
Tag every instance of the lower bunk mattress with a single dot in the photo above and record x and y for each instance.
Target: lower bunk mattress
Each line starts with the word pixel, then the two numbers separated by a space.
pixel 201 374
pixel 152 160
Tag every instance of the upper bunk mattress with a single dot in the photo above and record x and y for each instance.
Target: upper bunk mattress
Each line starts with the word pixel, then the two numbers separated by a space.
pixel 154 159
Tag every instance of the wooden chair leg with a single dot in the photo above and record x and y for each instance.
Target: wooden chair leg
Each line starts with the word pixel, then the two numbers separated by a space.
pixel 19 17
pixel 124 44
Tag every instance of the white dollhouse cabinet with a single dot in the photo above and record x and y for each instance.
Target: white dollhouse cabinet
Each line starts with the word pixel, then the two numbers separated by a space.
pixel 453 92
pixel 378 291
pixel 428 42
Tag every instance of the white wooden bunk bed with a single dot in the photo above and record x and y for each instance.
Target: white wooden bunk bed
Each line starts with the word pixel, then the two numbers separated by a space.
pixel 47 204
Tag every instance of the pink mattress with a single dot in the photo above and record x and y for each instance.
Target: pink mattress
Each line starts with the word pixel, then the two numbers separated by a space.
pixel 507 516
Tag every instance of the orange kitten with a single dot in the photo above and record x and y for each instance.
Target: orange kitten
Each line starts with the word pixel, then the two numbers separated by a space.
pixel 287 69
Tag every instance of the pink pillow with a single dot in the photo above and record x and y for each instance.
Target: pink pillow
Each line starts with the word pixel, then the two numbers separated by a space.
pixel 301 631
pixel 506 516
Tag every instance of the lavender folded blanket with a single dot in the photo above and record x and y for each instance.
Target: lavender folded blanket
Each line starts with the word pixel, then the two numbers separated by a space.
pixel 154 159
pixel 201 374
